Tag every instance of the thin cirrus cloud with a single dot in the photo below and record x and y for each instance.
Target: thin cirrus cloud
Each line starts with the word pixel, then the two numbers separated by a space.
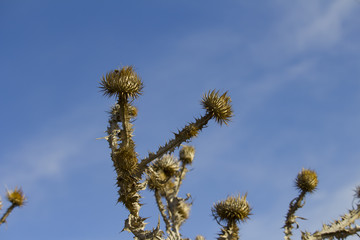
pixel 50 153
pixel 302 27
pixel 40 159
pixel 325 27
pixel 316 26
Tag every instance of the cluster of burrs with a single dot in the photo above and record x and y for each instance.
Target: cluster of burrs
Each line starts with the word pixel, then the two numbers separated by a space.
pixel 17 199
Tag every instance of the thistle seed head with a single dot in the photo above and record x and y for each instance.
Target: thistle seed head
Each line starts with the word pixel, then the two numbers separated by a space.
pixel 169 188
pixel 155 180
pixel 126 159
pixel 161 172
pixel 123 83
pixel 115 112
pixel 183 210
pixel 219 106
pixel 167 164
pixel 132 111
pixel 306 180
pixel 357 192
pixel 187 154
pixel 16 197
pixel 232 209
pixel 199 237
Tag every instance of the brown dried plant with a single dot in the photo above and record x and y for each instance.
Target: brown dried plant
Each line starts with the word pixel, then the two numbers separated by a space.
pixel 160 172
pixel 163 173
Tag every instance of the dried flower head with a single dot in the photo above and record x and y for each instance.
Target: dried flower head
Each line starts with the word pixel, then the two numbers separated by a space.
pixel 200 237
pixel 16 197
pixel 357 192
pixel 123 83
pixel 183 210
pixel 115 112
pixel 187 154
pixel 126 159
pixel 1 204
pixel 232 209
pixel 167 164
pixel 132 111
pixel 219 106
pixel 306 180
pixel 155 180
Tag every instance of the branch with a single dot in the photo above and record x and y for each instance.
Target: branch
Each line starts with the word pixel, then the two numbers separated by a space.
pixel 339 229
pixel 7 213
pixel 295 204
pixel 180 178
pixel 185 134
pixel 162 210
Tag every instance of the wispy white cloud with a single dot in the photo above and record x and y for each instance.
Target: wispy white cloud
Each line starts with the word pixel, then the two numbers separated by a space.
pixel 39 159
pixel 49 154
pixel 255 93
pixel 304 27
pixel 323 24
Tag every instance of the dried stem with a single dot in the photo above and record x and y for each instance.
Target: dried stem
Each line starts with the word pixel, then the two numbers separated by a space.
pixel 229 232
pixel 183 167
pixel 113 139
pixel 126 131
pixel 339 229
pixel 295 204
pixel 7 213
pixel 162 210
pixel 185 134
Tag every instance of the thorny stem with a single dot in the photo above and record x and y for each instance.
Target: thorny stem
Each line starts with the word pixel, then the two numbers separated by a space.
pixel 181 137
pixel 113 138
pixel 125 133
pixel 339 229
pixel 128 187
pixel 172 202
pixel 295 204
pixel 7 213
pixel 234 228
pixel 113 129
pixel 162 210
pixel 170 207
pixel 229 232
pixel 183 167
pixel 338 232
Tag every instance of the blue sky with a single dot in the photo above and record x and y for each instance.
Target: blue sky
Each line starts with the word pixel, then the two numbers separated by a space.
pixel 291 68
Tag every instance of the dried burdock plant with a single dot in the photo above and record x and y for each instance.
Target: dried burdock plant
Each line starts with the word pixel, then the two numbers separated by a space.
pixel 163 173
